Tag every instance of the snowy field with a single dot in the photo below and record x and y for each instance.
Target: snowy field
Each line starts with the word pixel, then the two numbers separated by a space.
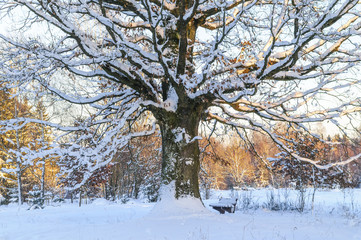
pixel 336 215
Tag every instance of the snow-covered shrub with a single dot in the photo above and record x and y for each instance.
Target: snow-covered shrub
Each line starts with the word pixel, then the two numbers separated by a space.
pixel 279 201
pixel 36 200
pixel 246 201
pixel 124 199
pixel 13 195
pixel 151 191
pixel 349 207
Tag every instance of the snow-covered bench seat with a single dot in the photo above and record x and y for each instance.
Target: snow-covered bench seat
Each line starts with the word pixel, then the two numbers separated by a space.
pixel 225 204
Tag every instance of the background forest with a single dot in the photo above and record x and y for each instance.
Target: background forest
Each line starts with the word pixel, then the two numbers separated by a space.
pixel 135 171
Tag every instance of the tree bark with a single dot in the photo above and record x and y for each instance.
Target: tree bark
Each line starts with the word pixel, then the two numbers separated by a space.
pixel 180 149
pixel 42 185
pixel 20 185
pixel 80 197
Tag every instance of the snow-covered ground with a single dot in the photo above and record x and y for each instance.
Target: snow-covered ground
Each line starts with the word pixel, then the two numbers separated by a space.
pixel 336 215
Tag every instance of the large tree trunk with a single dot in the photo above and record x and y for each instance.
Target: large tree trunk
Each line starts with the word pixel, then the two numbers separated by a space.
pixel 180 149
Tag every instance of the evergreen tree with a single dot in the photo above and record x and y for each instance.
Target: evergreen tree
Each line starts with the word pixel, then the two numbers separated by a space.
pixel 21 145
pixel 304 174
pixel 14 142
pixel 36 198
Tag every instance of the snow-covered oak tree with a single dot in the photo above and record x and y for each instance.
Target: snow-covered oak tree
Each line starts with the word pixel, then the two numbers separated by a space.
pixel 249 64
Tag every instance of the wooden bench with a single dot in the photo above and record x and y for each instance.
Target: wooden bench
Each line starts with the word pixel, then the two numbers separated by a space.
pixel 225 204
